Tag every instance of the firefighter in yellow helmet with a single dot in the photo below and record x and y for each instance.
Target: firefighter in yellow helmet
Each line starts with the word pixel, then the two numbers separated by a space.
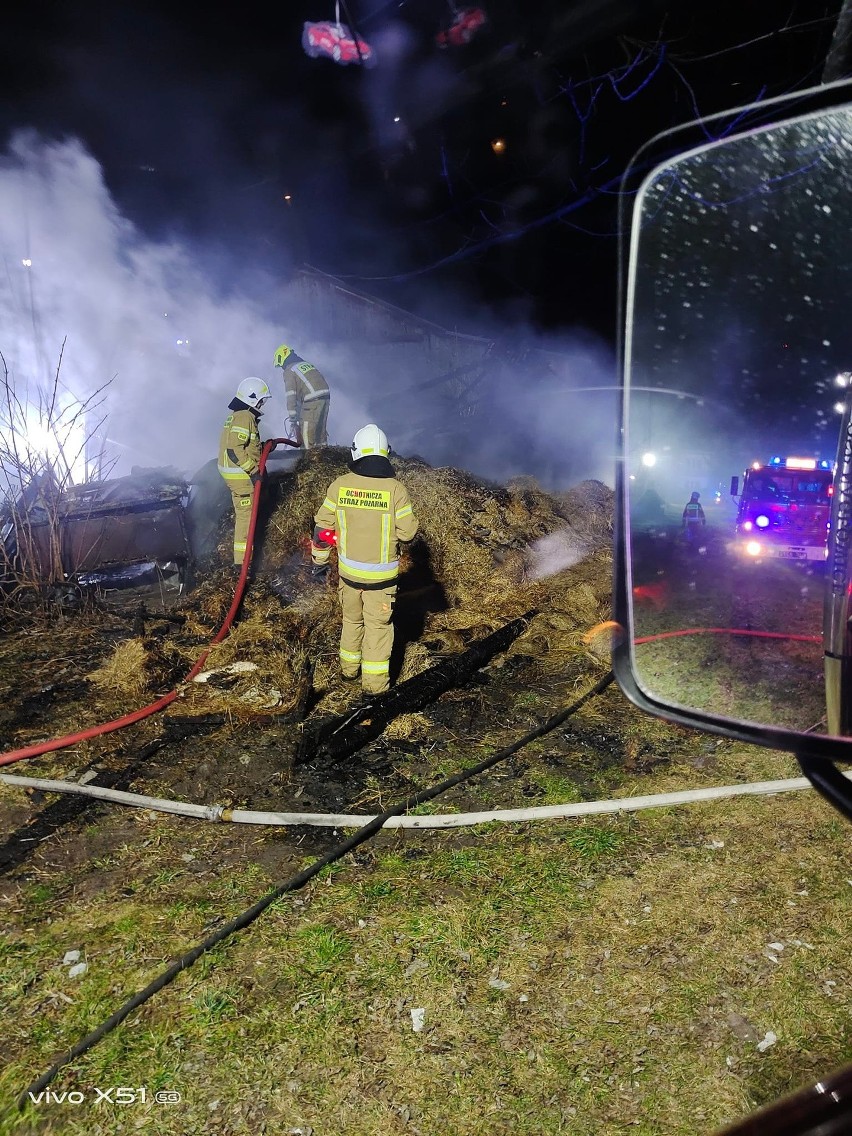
pixel 239 455
pixel 308 396
pixel 366 512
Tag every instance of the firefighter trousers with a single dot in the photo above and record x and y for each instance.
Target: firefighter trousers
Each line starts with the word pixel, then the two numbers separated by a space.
pixel 241 496
pixel 366 636
pixel 313 422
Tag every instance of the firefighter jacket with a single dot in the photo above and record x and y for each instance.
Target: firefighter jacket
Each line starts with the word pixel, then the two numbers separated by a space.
pixel 693 513
pixel 239 444
pixel 370 512
pixel 302 383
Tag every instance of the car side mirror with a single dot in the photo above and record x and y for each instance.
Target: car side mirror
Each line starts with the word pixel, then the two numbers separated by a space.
pixel 736 289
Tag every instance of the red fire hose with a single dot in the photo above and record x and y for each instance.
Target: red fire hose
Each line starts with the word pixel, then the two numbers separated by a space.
pixel 727 631
pixel 13 755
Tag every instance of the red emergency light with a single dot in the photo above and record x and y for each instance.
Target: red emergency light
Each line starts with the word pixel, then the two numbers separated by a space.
pixel 335 41
pixel 466 24
pixel 327 536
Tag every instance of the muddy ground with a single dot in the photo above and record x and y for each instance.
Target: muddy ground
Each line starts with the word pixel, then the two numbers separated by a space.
pixel 75 659
pixel 241 760
pixel 71 662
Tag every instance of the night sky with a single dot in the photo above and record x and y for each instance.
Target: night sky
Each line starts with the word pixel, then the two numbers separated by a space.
pixel 204 119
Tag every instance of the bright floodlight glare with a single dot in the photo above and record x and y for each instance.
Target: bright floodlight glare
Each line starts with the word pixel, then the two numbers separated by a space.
pixel 649 459
pixel 753 548
pixel 59 441
pixel 40 440
pixel 839 407
pixel 842 380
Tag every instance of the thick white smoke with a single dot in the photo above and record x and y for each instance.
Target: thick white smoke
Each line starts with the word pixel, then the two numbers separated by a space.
pixel 555 552
pixel 170 337
pixel 139 317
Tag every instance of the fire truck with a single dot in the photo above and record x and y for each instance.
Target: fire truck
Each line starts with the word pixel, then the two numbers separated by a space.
pixel 784 508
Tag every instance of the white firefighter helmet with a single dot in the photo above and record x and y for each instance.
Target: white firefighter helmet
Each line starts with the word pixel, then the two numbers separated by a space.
pixel 253 392
pixel 370 441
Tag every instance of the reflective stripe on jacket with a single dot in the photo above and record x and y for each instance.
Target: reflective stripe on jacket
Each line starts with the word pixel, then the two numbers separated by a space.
pixel 370 515
pixel 239 446
pixel 693 512
pixel 303 383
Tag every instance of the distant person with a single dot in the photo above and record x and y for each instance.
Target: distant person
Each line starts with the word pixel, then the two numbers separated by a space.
pixel 366 512
pixel 239 455
pixel 650 508
pixel 308 396
pixel 693 519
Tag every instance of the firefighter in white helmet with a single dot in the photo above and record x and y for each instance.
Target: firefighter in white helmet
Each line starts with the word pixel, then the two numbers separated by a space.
pixel 366 512
pixel 308 396
pixel 239 455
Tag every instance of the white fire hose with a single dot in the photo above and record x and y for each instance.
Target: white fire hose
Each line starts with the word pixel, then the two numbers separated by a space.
pixel 439 820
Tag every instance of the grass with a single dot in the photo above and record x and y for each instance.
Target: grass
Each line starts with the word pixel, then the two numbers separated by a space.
pixel 763 680
pixel 593 842
pixel 38 894
pixel 557 788
pixel 578 976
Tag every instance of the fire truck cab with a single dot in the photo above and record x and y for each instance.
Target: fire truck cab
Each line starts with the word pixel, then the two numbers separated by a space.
pixel 784 509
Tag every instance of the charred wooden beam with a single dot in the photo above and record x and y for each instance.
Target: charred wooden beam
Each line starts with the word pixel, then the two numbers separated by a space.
pixel 349 732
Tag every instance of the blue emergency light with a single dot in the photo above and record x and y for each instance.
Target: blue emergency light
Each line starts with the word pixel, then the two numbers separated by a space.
pixel 800 463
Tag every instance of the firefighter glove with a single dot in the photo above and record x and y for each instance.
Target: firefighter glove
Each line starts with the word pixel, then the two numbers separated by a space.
pixel 256 477
pixel 322 539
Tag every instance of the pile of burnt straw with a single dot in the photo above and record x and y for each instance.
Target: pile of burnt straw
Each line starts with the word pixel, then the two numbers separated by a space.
pixel 484 555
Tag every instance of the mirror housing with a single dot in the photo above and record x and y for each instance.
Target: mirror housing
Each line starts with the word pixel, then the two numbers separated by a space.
pixel 710 183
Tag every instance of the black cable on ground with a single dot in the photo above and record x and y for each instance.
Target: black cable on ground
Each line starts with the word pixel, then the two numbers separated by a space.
pixel 298 881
